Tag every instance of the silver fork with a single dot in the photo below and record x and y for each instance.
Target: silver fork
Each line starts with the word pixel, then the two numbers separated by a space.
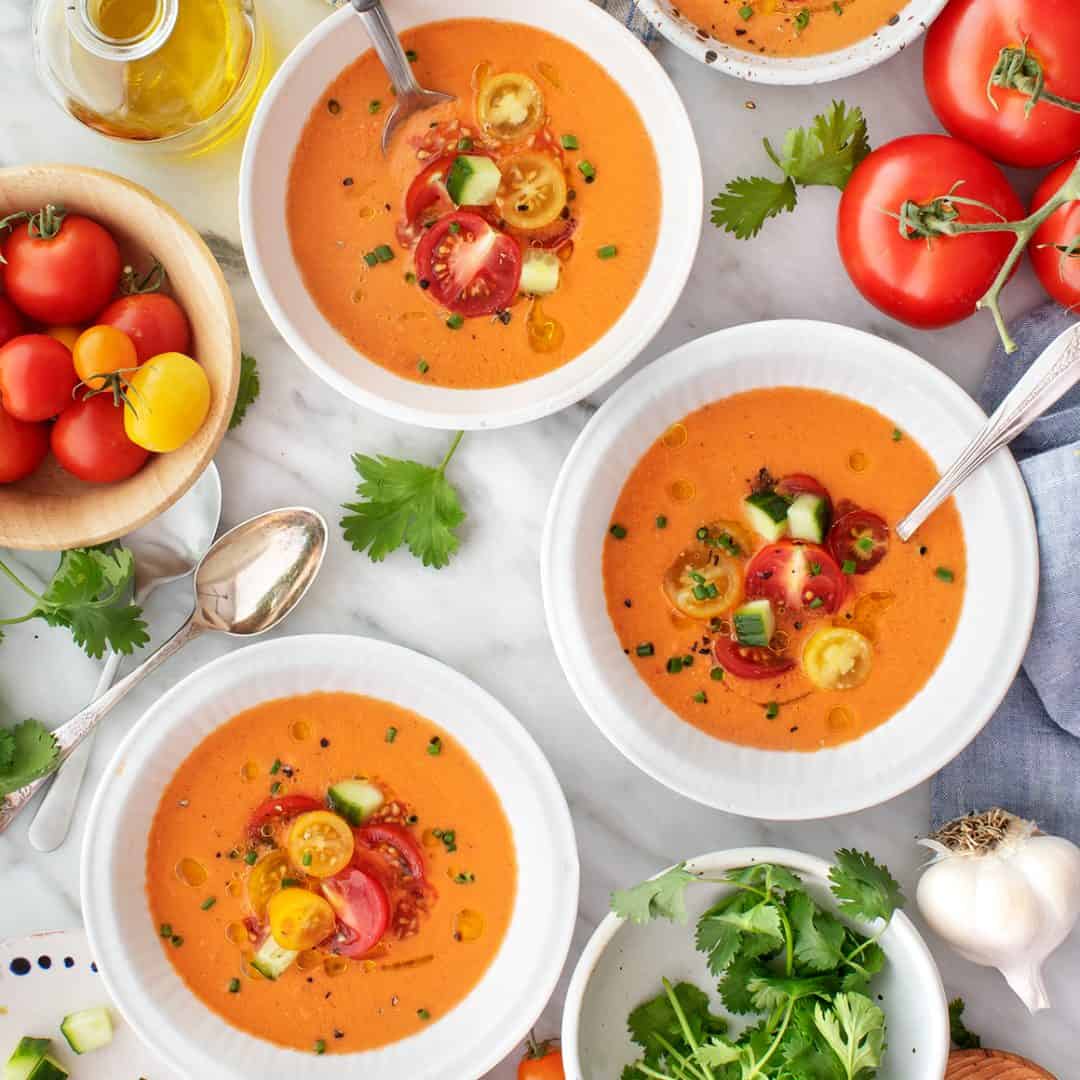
pixel 409 96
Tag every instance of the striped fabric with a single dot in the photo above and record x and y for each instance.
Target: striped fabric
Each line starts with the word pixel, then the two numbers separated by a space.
pixel 628 13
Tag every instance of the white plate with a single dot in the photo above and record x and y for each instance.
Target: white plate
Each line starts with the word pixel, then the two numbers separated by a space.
pixel 977 668
pixel 911 23
pixel 622 965
pixel 472 1037
pixel 264 172
pixel 62 979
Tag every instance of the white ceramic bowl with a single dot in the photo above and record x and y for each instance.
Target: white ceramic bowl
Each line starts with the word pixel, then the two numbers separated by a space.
pixel 912 20
pixel 959 697
pixel 277 125
pixel 622 965
pixel 473 1036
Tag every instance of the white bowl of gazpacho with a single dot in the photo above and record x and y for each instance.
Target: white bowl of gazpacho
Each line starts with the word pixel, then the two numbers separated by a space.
pixel 326 856
pixel 514 249
pixel 725 590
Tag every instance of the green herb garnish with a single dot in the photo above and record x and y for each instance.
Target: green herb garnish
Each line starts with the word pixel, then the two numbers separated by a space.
pixel 608 251
pixel 247 390
pixel 27 751
pixel 962 1038
pixel 661 521
pixel 645 649
pixel 772 710
pixel 234 986
pixel 569 142
pixel 618 531
pixel 208 903
pixel 455 322
pixel 434 746
pixel 391 734
pixel 587 170
pixel 944 573
pixel 848 566
pixel 374 106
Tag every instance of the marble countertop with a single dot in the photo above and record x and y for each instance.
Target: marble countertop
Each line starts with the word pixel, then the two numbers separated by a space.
pixel 295 446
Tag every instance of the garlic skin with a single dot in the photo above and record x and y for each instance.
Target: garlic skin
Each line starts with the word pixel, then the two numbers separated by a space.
pixel 1003 895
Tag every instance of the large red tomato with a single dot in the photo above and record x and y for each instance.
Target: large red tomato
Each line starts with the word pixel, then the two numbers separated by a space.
pixel 89 441
pixel 1055 247
pixel 155 323
pixel 37 376
pixel 962 48
pixel 23 447
pixel 926 284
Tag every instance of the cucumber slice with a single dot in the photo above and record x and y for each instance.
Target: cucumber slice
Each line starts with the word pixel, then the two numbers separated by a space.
pixel 88 1029
pixel 48 1068
pixel 26 1057
pixel 767 513
pixel 808 518
pixel 473 180
pixel 540 272
pixel 355 800
pixel 754 623
pixel 272 960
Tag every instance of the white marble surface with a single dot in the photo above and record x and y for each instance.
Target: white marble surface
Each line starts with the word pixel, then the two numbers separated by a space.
pixel 295 446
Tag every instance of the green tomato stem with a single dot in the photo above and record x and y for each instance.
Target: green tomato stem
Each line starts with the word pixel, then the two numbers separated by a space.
pixel 1016 69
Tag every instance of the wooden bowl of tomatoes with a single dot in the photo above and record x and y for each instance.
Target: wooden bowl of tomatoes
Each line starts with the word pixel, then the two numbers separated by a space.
pixel 119 356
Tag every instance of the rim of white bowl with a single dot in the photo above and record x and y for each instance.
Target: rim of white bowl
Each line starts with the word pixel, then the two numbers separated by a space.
pixel 682 205
pixel 907 937
pixel 839 348
pixel 146 1009
pixel 913 21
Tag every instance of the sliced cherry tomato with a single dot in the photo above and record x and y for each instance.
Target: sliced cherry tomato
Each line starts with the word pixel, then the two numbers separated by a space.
pixel 362 906
pixel 11 322
pixel 37 376
pixel 427 197
pixel 286 806
pixel 1055 247
pixel 860 537
pixel 401 840
pixel 749 661
pixel 23 446
pixel 300 919
pixel 542 1061
pixel 320 843
pixel 472 268
pixel 89 441
pixel 532 192
pixel 837 658
pixel 265 880
pixel 102 351
pixel 803 577
pixel 168 401
pixel 509 106
pixel 801 484
pixel 551 238
pixel 155 323
pixel 703 583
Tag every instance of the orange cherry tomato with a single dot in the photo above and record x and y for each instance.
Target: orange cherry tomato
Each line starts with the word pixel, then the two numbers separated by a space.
pixel 102 351
pixel 542 1061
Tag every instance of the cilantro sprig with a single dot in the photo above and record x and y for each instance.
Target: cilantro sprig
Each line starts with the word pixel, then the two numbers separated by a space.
pixel 27 751
pixel 247 391
pixel 405 502
pixel 823 154
pixel 962 1037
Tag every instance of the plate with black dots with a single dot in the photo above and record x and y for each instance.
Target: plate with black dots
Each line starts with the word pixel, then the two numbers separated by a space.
pixel 47 976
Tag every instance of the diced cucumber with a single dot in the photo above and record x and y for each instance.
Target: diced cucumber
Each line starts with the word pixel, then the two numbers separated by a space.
pixel 88 1029
pixel 473 180
pixel 767 513
pixel 31 1060
pixel 754 623
pixel 355 800
pixel 48 1068
pixel 808 518
pixel 540 272
pixel 272 961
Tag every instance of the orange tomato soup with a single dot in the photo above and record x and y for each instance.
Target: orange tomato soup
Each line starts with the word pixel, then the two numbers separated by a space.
pixel 357 236
pixel 790 27
pixel 197 872
pixel 905 608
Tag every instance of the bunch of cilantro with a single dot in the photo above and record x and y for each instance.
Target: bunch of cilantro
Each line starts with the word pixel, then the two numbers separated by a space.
pixel 796 971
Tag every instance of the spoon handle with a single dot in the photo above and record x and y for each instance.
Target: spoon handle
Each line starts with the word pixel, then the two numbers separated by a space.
pixel 387 46
pixel 1051 376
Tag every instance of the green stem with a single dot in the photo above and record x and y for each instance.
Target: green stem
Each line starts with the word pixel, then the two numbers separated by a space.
pixel 11 576
pixel 685 1063
pixel 706 1072
pixel 450 453
pixel 1016 69
pixel 22 618
pixel 779 1038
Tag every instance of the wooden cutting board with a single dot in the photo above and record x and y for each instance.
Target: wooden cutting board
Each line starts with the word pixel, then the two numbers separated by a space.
pixel 992 1065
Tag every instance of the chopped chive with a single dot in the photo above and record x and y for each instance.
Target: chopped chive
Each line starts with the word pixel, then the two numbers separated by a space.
pixel 412 55
pixel 384 253
pixel 771 710
pixel 455 322
pixel 569 142
pixel 391 734
pixel 688 660
pixel 645 649
pixel 695 576
pixel 848 566
pixel 464 143
pixel 674 665
pixel 466 877
pixel 454 227
pixel 701 592
pixel 166 930
pixel 434 746
pixel 802 20
pixel 661 521
pixel 423 1014
pixel 320 1046
pixel 717 674
pixel 837 8
pixel 587 170
pixel 815 569
pixel 422 366
pixel 234 986
pixel 250 858
pixel 176 941
pixel 608 251
pixel 305 859
pixel 276 767
pixel 746 11
pixel 700 697
pixel 618 531
pixel 370 258
pixel 816 602
pixel 897 434
pixel 702 533
pixel 865 543
pixel 944 573
pixel 208 903
pixel 275 787
pixel 374 106
pixel 410 278
pixel 290 882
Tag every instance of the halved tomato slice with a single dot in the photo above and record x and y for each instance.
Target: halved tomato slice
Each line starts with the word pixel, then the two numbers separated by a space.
pixel 532 193
pixel 837 658
pixel 362 907
pixel 427 197
pixel 802 577
pixel 320 843
pixel 401 840
pixel 509 106
pixel 750 661
pixel 265 880
pixel 703 585
pixel 471 268
pixel 299 919
pixel 860 537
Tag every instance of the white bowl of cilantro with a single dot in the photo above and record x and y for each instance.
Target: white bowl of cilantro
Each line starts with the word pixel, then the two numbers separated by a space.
pixel 782 966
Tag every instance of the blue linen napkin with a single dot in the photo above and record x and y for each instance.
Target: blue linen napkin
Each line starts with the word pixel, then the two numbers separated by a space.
pixel 1027 758
pixel 629 14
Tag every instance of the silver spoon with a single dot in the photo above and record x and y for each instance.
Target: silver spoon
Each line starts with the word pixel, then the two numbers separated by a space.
pixel 1051 376
pixel 245 584
pixel 166 549
pixel 409 96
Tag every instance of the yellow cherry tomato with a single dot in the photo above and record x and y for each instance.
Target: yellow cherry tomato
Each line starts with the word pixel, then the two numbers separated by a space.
pixel 265 880
pixel 703 583
pixel 66 335
pixel 532 192
pixel 168 399
pixel 320 843
pixel 509 106
pixel 101 351
pixel 837 658
pixel 300 919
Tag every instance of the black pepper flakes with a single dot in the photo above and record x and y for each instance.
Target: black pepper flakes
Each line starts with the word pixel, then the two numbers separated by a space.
pixel 324 743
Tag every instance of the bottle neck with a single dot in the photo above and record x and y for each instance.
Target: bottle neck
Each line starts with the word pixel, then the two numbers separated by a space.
pixel 122 30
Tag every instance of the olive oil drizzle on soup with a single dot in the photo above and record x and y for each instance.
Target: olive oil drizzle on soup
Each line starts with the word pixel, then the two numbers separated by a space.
pixel 212 900
pixel 901 612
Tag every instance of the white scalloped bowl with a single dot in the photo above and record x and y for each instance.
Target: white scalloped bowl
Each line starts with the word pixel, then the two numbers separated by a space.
pixel 960 695
pixel 475 1035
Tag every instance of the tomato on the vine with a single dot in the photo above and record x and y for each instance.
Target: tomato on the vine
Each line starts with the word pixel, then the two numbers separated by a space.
pixel 37 377
pixel 1055 247
pixel 23 446
pixel 542 1061
pixel 925 283
pixel 89 442
pixel 155 323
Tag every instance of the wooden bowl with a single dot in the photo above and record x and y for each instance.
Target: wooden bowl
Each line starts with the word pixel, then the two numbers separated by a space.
pixel 52 510
pixel 992 1065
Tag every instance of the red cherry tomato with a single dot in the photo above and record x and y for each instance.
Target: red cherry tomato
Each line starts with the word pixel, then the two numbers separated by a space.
pixel 155 323
pixel 962 48
pixel 63 278
pixel 427 196
pixel 925 284
pixel 795 484
pixel 363 910
pixel 749 661
pixel 1055 247
pixel 399 838
pixel 472 268
pixel 11 322
pixel 88 440
pixel 37 376
pixel 802 577
pixel 23 447
pixel 286 806
pixel 860 537
pixel 542 1061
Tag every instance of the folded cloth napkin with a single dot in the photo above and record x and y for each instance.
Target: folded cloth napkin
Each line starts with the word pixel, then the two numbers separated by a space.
pixel 1027 758
pixel 629 14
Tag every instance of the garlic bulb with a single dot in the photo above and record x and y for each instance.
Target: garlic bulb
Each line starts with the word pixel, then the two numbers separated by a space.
pixel 1003 895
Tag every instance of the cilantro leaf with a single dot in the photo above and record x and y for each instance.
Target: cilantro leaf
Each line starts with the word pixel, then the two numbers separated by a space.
pixel 655 1021
pixel 962 1038
pixel 404 502
pixel 662 897
pixel 247 391
pixel 864 888
pixel 854 1027
pixel 766 876
pixel 819 938
pixel 32 751
pixel 746 203
pixel 733 986
pixel 7 749
pixel 768 991
pixel 739 925
pixel 805 1053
